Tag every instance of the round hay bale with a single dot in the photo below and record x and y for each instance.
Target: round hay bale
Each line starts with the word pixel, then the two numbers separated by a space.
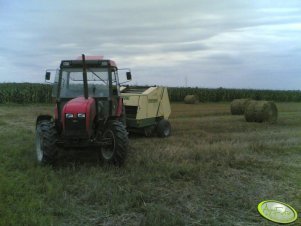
pixel 191 99
pixel 261 111
pixel 238 106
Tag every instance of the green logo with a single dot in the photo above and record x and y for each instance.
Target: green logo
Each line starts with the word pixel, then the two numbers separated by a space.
pixel 152 100
pixel 278 212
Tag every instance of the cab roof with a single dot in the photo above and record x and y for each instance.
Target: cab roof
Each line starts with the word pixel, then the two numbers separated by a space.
pixel 92 61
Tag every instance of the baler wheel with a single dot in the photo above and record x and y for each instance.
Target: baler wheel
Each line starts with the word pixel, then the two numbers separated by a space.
pixel 163 128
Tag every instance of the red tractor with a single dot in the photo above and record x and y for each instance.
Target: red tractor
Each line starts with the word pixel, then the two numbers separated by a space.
pixel 88 111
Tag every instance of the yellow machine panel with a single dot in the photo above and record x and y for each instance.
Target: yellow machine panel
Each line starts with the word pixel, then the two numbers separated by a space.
pixel 147 110
pixel 151 102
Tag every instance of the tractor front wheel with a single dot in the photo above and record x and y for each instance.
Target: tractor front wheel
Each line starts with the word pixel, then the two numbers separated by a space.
pixel 46 137
pixel 115 152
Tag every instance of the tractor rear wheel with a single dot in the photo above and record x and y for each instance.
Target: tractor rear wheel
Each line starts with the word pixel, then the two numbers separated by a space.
pixel 46 137
pixel 163 128
pixel 116 151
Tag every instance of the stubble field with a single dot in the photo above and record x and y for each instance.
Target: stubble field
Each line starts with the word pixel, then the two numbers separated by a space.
pixel 213 170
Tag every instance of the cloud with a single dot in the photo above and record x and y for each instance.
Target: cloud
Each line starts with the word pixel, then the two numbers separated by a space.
pixel 212 43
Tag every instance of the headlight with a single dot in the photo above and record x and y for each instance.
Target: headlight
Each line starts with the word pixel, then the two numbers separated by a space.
pixel 69 115
pixel 81 115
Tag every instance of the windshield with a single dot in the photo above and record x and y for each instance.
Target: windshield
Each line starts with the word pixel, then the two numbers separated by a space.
pixel 72 84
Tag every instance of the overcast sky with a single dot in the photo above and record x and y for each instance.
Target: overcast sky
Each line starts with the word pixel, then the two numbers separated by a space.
pixel 207 43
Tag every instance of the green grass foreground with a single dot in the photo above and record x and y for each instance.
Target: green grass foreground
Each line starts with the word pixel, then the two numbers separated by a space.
pixel 213 170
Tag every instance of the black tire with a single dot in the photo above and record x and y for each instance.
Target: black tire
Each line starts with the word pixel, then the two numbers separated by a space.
pixel 46 137
pixel 115 153
pixel 148 131
pixel 163 128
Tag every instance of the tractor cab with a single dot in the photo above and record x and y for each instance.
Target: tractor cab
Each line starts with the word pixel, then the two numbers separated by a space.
pixel 89 78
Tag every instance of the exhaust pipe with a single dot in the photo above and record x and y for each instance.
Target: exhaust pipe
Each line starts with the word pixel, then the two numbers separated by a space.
pixel 85 77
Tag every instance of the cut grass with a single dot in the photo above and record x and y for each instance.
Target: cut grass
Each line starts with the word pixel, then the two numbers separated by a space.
pixel 213 170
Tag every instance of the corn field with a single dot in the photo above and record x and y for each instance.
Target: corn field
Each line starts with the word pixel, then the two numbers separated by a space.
pixel 24 93
pixel 225 95
pixel 41 93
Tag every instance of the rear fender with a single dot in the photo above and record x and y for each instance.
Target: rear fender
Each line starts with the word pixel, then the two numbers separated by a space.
pixel 119 108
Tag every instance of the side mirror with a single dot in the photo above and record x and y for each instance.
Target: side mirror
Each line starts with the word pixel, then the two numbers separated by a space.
pixel 47 76
pixel 128 75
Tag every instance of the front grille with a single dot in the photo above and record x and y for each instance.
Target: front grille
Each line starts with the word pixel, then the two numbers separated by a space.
pixel 75 127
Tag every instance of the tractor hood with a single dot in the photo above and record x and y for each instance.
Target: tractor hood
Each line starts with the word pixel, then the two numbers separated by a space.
pixel 77 105
pixel 78 114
